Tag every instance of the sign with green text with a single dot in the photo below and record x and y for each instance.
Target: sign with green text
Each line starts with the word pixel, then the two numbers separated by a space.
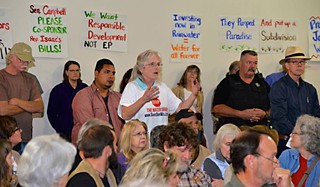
pixel 48 31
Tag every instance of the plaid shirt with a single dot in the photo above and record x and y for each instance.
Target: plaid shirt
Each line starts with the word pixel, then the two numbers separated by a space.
pixel 194 178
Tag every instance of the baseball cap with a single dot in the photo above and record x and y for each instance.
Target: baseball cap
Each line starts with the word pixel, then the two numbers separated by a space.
pixel 23 51
pixel 185 113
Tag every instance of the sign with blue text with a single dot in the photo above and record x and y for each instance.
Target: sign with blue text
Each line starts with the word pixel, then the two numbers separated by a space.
pixel 238 33
pixel 185 38
pixel 314 38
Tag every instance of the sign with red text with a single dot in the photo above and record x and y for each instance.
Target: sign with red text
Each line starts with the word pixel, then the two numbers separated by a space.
pixel 185 38
pixel 277 34
pixel 104 31
pixel 314 38
pixel 48 31
pixel 5 33
pixel 238 33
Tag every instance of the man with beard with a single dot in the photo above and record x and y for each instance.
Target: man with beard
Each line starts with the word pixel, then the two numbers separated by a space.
pixel 98 100
pixel 97 147
pixel 242 98
pixel 19 94
pixel 253 157
pixel 181 139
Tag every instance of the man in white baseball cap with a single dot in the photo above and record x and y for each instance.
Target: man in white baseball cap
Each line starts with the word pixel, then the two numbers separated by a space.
pixel 291 96
pixel 19 94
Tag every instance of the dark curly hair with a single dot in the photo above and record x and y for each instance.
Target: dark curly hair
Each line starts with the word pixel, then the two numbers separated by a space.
pixel 178 134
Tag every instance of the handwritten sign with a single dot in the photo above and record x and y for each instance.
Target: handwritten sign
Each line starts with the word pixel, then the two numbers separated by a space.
pixel 277 34
pixel 104 31
pixel 5 33
pixel 48 31
pixel 185 38
pixel 314 37
pixel 238 34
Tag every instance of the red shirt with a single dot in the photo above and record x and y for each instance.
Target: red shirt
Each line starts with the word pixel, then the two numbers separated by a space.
pixel 297 176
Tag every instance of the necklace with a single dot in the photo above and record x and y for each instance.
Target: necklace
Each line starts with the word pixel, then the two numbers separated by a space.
pixel 101 175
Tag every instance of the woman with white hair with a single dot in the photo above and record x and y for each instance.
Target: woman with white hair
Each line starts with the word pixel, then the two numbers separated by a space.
pixel 305 141
pixel 46 162
pixel 216 163
pixel 146 98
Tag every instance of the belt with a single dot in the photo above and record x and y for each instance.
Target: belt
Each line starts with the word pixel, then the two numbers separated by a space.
pixel 283 137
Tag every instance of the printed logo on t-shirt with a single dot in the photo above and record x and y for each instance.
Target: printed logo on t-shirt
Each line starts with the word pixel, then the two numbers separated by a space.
pixel 156 102
pixel 159 111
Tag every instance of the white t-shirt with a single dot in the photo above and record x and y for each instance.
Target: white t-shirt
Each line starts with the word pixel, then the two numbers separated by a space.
pixel 187 94
pixel 154 112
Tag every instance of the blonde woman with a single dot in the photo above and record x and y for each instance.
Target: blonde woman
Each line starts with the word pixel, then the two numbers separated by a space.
pixel 153 165
pixel 133 139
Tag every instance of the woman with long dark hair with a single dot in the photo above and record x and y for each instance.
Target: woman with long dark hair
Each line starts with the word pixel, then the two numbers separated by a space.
pixel 60 100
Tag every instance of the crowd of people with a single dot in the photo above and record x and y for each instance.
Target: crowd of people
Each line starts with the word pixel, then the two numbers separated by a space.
pixel 150 135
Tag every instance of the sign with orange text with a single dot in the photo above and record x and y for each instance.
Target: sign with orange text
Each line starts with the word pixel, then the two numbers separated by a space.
pixel 277 34
pixel 238 33
pixel 48 31
pixel 314 38
pixel 5 33
pixel 104 31
pixel 185 38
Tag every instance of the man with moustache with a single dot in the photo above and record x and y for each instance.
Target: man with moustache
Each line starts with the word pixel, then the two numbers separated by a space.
pixel 98 100
pixel 19 94
pixel 182 139
pixel 242 98
pixel 254 162
pixel 97 146
pixel 291 96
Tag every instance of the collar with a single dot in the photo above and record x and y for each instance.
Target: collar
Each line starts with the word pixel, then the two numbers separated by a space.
pixel 219 156
pixel 141 84
pixel 292 82
pixel 96 89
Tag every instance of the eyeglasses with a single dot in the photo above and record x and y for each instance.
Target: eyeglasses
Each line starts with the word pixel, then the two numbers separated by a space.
pixel 297 133
pixel 154 64
pixel 22 61
pixel 16 129
pixel 74 70
pixel 296 62
pixel 140 134
pixel 271 159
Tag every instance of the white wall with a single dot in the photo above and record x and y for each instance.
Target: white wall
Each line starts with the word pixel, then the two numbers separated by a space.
pixel 149 27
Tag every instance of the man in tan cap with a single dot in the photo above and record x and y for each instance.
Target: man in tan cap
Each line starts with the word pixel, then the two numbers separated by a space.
pixel 291 96
pixel 19 94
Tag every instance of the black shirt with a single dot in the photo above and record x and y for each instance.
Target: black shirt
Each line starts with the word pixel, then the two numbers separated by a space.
pixel 235 93
pixel 84 179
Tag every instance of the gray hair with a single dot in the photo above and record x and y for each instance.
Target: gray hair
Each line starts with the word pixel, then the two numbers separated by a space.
pixel 229 130
pixel 45 160
pixel 91 123
pixel 310 133
pixel 250 52
pixel 141 59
